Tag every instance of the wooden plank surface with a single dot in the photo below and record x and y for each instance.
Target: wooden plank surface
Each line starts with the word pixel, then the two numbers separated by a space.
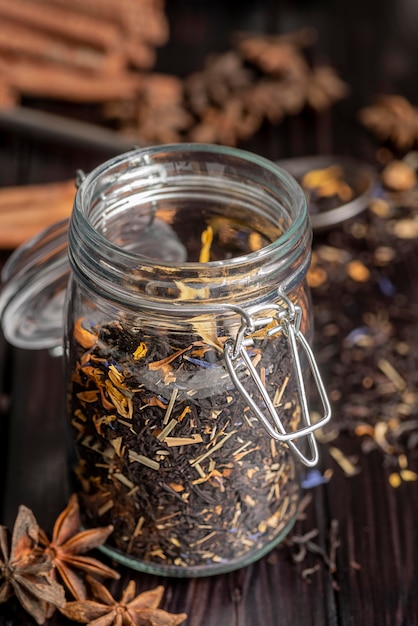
pixel 376 576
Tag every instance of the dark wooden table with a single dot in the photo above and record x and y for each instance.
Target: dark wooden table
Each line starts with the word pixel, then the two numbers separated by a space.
pixel 375 579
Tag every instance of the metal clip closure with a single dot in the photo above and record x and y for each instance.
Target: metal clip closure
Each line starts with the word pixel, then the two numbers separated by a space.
pixel 288 319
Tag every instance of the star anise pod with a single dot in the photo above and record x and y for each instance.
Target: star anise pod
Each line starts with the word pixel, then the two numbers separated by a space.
pixel 68 545
pixel 226 125
pixel 161 115
pixel 324 88
pixel 272 55
pixel 392 118
pixel 131 610
pixel 24 571
pixel 223 77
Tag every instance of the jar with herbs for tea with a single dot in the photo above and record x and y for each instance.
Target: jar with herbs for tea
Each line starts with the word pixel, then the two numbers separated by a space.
pixel 186 342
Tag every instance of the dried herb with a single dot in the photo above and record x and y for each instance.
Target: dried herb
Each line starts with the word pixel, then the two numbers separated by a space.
pixel 365 324
pixel 404 474
pixel 348 466
pixel 302 544
pixel 399 176
pixel 158 115
pixel 392 118
pixel 68 545
pixel 324 88
pixel 24 571
pixel 262 78
pixel 130 610
pixel 326 188
pixel 168 451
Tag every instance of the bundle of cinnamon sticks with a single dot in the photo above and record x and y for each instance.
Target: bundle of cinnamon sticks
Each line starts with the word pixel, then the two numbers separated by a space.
pixel 80 51
pixel 103 52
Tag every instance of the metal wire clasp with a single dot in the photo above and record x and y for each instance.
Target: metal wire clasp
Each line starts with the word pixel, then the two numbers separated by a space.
pixel 284 319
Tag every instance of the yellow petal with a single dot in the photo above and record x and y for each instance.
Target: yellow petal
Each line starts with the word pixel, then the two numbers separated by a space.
pixel 408 475
pixel 395 480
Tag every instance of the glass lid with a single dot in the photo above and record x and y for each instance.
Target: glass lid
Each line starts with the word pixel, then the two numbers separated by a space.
pixel 34 281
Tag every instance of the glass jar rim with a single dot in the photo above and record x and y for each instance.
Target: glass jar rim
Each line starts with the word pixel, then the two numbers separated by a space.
pixel 35 276
pixel 285 240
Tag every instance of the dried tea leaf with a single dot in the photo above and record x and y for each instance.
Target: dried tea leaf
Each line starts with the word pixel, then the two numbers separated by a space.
pixel 392 118
pixel 344 462
pixel 406 228
pixel 325 88
pixel 187 292
pixel 358 271
pixel 399 176
pixel 316 277
pixel 205 327
pixel 408 475
pixel 156 365
pixel 395 480
pixel 84 333
pixel 141 351
pixel 207 238
pixel 328 181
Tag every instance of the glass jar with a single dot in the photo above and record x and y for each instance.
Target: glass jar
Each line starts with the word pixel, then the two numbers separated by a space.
pixel 187 325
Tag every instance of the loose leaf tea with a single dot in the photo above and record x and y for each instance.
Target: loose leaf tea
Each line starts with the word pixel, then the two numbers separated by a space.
pixel 366 323
pixel 168 451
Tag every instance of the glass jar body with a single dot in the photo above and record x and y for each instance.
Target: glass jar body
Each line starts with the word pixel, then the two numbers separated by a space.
pixel 167 448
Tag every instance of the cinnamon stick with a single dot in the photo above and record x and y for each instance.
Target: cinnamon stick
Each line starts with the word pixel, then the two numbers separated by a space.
pixel 26 210
pixel 28 42
pixel 45 80
pixel 62 20
pixel 8 96
pixel 145 18
pixel 140 54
